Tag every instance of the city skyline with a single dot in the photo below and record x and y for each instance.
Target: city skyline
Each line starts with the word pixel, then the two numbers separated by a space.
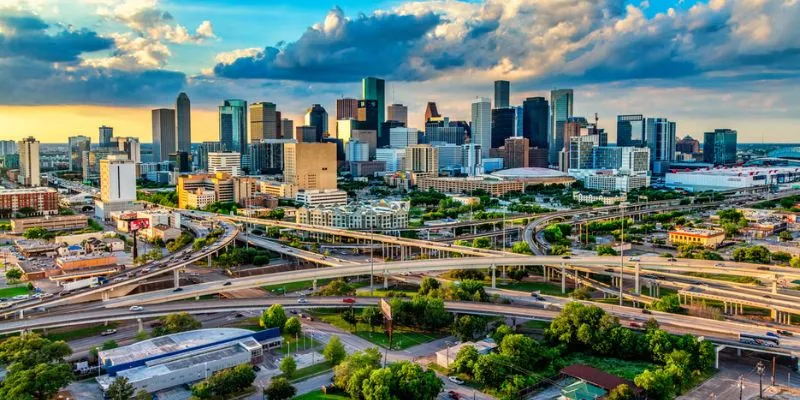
pixel 138 56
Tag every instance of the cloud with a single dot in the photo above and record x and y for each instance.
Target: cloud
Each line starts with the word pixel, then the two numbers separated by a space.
pixel 147 19
pixel 24 35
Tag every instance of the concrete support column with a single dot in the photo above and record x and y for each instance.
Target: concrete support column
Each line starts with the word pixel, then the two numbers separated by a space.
pixel 739 352
pixel 563 278
pixel 314 285
pixel 176 277
pixel 504 272
pixel 141 326
pixel 775 285
pixel 774 314
pixel 209 260
pixel 658 289
pixel 21 314
pixel 385 280
pixel 494 277
pixel 725 307
pixel 637 283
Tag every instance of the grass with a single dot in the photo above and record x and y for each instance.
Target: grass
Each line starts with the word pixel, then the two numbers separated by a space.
pixel 290 343
pixel 401 340
pixel 546 288
pixel 311 370
pixel 318 395
pixel 726 278
pixel 14 291
pixel 80 333
pixel 294 286
pixel 535 324
pixel 387 293
pixel 623 368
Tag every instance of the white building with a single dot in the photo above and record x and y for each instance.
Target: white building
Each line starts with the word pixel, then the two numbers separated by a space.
pixel 327 197
pixel 228 162
pixel 400 138
pixel 446 356
pixel 591 198
pixel 482 124
pixel 609 180
pixel 356 150
pixel 29 164
pixel 471 158
pixel 719 179
pixel 200 198
pixel 394 158
pixel 366 215
pixel 117 185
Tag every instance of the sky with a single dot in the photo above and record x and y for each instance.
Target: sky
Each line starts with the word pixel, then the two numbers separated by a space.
pixel 69 66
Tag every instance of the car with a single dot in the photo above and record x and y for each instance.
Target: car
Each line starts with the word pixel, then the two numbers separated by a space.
pixel 634 259
pixel 349 300
pixel 302 300
pixel 719 265
pixel 228 283
pixel 566 257
pixel 672 259
pixel 636 325
pixel 256 368
pixel 763 268
pixel 455 380
pixel 646 311
pixel 609 270
pixel 773 334
pixel 179 289
pixel 453 395
pixel 136 308
pixel 108 332
pixel 784 332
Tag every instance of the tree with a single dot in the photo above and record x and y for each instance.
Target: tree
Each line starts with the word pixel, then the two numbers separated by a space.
pixel 468 327
pixel 110 344
pixel 410 381
pixel 280 389
pixel 786 236
pixel 225 383
pixel 670 303
pixel 521 248
pixel 175 323
pixel 521 349
pixel 36 233
pixel 606 250
pixel 464 362
pixel 517 273
pixel 795 262
pixel 372 317
pixel 491 369
pixel 379 385
pixel 337 287
pixel 273 317
pixel 500 332
pixel 143 395
pixel 14 274
pixel 351 373
pixel 288 367
pixel 658 384
pixel 120 389
pixel 582 293
pixel 621 392
pixel 427 284
pixel 481 243
pixel 36 367
pixel 781 257
pixel 292 326
pixel 334 351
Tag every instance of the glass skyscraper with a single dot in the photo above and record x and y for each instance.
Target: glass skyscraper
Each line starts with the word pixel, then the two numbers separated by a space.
pixel 534 121
pixel 719 147
pixel 317 117
pixel 502 91
pixel 502 126
pixel 233 128
pixel 561 102
pixel 482 124
pixel 183 117
pixel 630 130
pixel 375 89
pixel 660 138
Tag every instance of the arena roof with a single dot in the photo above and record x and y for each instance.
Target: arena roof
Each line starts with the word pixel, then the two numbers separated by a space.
pixel 170 343
pixel 531 172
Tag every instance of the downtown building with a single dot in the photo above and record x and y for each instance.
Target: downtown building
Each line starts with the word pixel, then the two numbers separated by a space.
pixel 379 214
pixel 609 169
pixel 117 186
pixel 233 128
pixel 719 147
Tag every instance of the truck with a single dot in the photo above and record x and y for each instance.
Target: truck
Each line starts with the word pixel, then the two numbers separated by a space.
pixel 83 283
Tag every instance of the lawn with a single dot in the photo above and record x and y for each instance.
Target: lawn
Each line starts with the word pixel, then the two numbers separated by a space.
pixel 727 278
pixel 402 338
pixel 623 368
pixel 312 370
pixel 546 288
pixel 294 286
pixel 318 395
pixel 80 333
pixel 291 344
pixel 387 293
pixel 535 324
pixel 10 292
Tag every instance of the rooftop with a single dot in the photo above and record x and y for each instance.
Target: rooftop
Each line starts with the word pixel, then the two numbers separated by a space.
pixel 531 172
pixel 169 343
pixel 699 231
pixel 597 377
pixel 740 171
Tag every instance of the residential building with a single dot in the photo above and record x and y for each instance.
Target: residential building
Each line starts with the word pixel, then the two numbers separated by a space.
pixel 131 147
pixel 344 128
pixel 631 130
pixel 164 140
pixel 233 127
pixel 711 238
pixel 356 150
pixel 535 111
pixel 11 161
pixel 609 180
pixel 104 135
pixel 306 134
pixel 199 190
pixel 29 164
pixel 117 185
pixel 660 138
pixel 570 128
pixel 77 145
pixel 380 214
pixel 317 117
pixel 205 148
pixel 422 158
pixel 400 138
pixel 278 189
pixel 628 160
pixel 9 147
pixel 375 89
pixel 719 147
pixel 228 162
pixel 397 112
pixel 581 152
pixel 327 197
pixel 688 145
pixel 183 118
pixel 310 165
pixel 287 129
pixel 502 91
pixel 43 200
pixel 492 184
pixel 482 124
pixel 263 121
pixel 561 103
pixel 200 198
pixel 393 158
pixel 515 152
pixel 607 200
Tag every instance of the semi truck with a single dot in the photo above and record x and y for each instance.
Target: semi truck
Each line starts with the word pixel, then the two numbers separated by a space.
pixel 84 283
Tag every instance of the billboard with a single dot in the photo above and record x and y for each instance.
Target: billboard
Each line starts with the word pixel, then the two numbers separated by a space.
pixel 386 309
pixel 139 223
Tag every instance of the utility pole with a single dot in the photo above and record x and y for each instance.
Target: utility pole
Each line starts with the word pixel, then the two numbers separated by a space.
pixel 760 372
pixel 741 386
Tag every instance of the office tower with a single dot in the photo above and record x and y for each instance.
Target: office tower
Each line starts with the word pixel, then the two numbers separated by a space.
pixel 627 160
pixel 163 133
pixel 449 156
pixel 482 124
pixel 344 128
pixel 502 125
pixel 581 152
pixel 131 147
pixel 356 150
pixel 400 138
pixel 306 134
pixel 398 112
pixel 183 116
pixel 310 165
pixel 8 147
pixel 384 133
pixel 422 158
pixel 687 145
pixel 561 102
pixel 630 130
pixel 266 156
pixel 117 179
pixel 29 174
pixel 263 121
pixel 228 162
pixel 518 110
pixel 444 130
pixel 471 159
pixel 233 127
pixel 105 135
pixel 278 125
pixel 77 145
pixel 394 159
pixel 719 147
pixel 346 108
pixel 660 138
pixel 368 136
pixel 535 111
pixel 502 91
pixel 317 117
pixel 516 153
pixel 571 127
pixel 181 161
pixel 368 115
pixel 287 128
pixel 431 111
pixel 374 89
pixel 205 149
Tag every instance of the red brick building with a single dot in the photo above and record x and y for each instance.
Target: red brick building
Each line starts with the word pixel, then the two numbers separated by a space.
pixel 42 199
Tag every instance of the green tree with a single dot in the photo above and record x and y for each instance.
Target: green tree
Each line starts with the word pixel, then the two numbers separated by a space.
pixel 143 395
pixel 582 293
pixel 273 317
pixel 110 344
pixel 225 383
pixel 481 243
pixel 292 326
pixel 427 285
pixel 795 262
pixel 786 236
pixel 280 389
pixel 781 257
pixel 411 381
pixel 517 273
pixel 521 248
pixel 175 323
pixel 521 349
pixel 36 233
pixel 606 250
pixel 35 367
pixel 558 250
pixel 288 367
pixel 277 214
pixel 120 389
pixel 334 351
pixel 14 274
pixel 379 385
pixel 670 303
pixel 337 287
pixel 492 369
pixel 351 373
pixel 464 361
pixel 372 317
pixel 468 327
pixel 621 392
pixel 658 384
pixel 500 332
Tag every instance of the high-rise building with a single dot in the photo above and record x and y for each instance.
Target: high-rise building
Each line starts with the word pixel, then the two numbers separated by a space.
pixel 444 130
pixel 561 103
pixel 117 179
pixel 482 124
pixel 205 149
pixel 77 145
pixel 228 162
pixel 515 152
pixel 310 165
pixel 535 111
pixel 627 160
pixel 355 150
pixel 317 117
pixel 398 112
pixel 368 113
pixel 502 125
pixel 344 128
pixel 287 128
pixel 29 173
pixel 394 159
pixel 570 128
pixel 581 152
pixel 183 116
pixel 375 89
pixel 431 111
pixel 719 147
pixel 278 125
pixel 660 138
pixel 502 91
pixel 422 158
pixel 687 145
pixel 346 108
pixel 131 147
pixel 8 147
pixel 266 156
pixel 306 134
pixel 400 138
pixel 164 140
pixel 384 133
pixel 368 136
pixel 263 121
pixel 233 127
pixel 105 135
pixel 181 161
pixel 631 130
pixel 471 159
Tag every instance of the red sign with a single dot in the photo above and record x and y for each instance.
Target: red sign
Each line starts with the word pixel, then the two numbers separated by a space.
pixel 136 224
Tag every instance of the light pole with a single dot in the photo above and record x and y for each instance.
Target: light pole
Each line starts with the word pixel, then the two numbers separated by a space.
pixel 372 262
pixel 760 372
pixel 621 248
pixel 741 386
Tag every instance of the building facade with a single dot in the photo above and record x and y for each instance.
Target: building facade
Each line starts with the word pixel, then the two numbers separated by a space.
pixel 660 138
pixel 365 215
pixel 263 121
pixel 43 200
pixel 561 104
pixel 233 127
pixel 29 163
pixel 422 158
pixel 502 92
pixel 703 237
pixel 482 124
pixel 183 119
pixel 228 162
pixel 535 111
pixel 164 139
pixel 310 165
pixel 397 112
pixel 375 89
pixel 631 130
pixel 719 147
pixel 327 197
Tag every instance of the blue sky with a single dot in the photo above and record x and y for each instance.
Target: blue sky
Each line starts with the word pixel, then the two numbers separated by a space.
pixel 706 64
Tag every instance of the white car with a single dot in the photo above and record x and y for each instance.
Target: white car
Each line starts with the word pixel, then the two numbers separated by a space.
pixel 136 308
pixel 455 380
pixel 302 300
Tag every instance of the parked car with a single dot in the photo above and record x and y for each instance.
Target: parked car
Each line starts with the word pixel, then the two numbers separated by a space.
pixel 773 334
pixel 646 311
pixel 228 283
pixel 453 395
pixel 455 380
pixel 672 259
pixel 180 289
pixel 633 259
pixel 636 325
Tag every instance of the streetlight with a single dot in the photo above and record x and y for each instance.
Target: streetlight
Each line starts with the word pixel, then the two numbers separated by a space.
pixel 760 372
pixel 622 248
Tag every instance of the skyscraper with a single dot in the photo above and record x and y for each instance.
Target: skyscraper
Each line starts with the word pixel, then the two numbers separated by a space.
pixel 287 128
pixel 431 111
pixel 131 147
pixel 106 133
pixel 205 148
pixel 719 147
pixel 630 130
pixel 310 165
pixel 263 121
pixel 346 108
pixel 305 134
pixel 398 112
pixel 561 102
pixel 502 125
pixel 374 89
pixel 368 114
pixel 660 138
pixel 482 124
pixel 384 133
pixel 29 173
pixel 183 116
pixel 422 158
pixel 534 121
pixel 77 145
pixel 502 91
pixel 163 134
pixel 233 127
pixel 317 117
pixel 117 175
